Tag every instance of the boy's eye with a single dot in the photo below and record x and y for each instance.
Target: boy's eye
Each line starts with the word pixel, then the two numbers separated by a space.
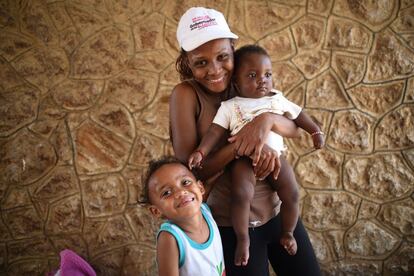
pixel 166 193
pixel 252 75
pixel 268 75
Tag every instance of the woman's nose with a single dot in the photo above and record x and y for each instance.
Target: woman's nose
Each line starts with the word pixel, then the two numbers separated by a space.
pixel 214 68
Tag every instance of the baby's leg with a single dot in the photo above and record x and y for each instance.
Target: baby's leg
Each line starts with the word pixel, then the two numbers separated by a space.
pixel 288 192
pixel 242 191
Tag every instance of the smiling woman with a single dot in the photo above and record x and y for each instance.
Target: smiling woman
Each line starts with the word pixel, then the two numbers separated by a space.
pixel 206 66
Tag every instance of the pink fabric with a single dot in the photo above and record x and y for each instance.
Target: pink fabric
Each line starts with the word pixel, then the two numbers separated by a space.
pixel 73 265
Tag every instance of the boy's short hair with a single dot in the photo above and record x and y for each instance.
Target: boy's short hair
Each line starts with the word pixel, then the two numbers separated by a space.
pixel 154 166
pixel 240 53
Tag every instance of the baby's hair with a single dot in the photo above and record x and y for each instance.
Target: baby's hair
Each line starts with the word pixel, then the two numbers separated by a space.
pixel 242 52
pixel 154 166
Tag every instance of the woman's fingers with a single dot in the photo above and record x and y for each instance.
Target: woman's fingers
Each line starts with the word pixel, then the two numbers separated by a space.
pixel 276 169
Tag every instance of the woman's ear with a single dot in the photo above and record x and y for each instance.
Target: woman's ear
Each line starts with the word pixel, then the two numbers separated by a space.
pixel 155 211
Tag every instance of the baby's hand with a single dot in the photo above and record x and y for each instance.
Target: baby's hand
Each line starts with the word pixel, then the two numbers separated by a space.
pixel 318 139
pixel 194 161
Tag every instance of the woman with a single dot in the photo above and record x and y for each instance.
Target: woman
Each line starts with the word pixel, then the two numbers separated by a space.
pixel 206 65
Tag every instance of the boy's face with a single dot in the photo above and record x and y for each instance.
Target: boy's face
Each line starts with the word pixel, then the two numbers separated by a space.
pixel 254 76
pixel 174 193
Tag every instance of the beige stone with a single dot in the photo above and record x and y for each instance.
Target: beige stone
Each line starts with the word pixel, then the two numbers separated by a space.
pixel 285 76
pixel 308 32
pixel 375 14
pixel 351 267
pixel 312 63
pixel 389 59
pixel 351 132
pixel 346 35
pixel 392 135
pixel 320 7
pixel 13 44
pixel 280 44
pixel 330 210
pixel 400 216
pixel 367 239
pixel 18 107
pixel 401 262
pixel 409 94
pixel 43 67
pixel 320 246
pixel 99 150
pixel 376 99
pixel 326 91
pixel 381 177
pixel 134 89
pixel 104 195
pixel 349 67
pixel 103 55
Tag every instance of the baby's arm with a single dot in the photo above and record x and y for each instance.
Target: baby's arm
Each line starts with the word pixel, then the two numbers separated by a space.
pixel 167 255
pixel 209 140
pixel 306 123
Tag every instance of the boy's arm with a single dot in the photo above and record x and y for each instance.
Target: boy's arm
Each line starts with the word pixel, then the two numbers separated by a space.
pixel 167 255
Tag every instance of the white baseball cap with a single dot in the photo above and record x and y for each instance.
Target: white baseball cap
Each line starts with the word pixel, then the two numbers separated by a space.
pixel 199 25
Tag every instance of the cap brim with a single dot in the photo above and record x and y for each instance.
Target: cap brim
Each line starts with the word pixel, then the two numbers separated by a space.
pixel 190 43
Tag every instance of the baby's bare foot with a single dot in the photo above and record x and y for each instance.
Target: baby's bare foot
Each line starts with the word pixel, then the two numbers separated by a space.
pixel 289 243
pixel 241 256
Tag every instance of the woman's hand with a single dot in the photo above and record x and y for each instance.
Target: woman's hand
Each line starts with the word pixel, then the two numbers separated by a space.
pixel 251 138
pixel 268 162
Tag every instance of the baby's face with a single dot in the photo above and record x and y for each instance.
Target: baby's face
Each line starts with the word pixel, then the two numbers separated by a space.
pixel 254 76
pixel 174 193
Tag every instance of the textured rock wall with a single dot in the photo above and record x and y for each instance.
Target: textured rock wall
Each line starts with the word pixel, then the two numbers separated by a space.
pixel 84 105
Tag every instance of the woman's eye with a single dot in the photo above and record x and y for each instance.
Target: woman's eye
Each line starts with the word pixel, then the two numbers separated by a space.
pixel 200 63
pixel 186 182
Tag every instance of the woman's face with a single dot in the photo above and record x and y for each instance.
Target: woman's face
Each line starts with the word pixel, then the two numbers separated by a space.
pixel 212 64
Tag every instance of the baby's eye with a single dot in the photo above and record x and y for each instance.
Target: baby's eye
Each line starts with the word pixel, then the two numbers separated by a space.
pixel 186 182
pixel 252 75
pixel 268 74
pixel 223 57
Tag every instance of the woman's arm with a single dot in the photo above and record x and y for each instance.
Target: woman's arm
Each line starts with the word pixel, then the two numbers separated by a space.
pixel 167 255
pixel 183 113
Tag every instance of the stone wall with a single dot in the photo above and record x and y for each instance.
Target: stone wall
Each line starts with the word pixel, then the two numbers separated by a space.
pixel 84 105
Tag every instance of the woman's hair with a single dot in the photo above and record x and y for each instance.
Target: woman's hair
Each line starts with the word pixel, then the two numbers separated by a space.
pixel 242 52
pixel 154 166
pixel 181 64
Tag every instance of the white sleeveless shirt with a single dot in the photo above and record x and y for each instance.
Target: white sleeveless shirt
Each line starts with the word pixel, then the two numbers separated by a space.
pixel 198 258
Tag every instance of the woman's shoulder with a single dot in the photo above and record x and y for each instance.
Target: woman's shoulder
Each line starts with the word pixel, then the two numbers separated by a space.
pixel 184 91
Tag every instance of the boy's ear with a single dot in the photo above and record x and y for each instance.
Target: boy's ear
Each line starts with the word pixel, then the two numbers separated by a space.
pixel 201 185
pixel 155 211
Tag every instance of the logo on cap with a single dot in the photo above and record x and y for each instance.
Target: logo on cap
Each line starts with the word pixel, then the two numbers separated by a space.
pixel 201 22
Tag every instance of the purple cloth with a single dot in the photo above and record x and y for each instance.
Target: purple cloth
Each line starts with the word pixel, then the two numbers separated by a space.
pixel 73 265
